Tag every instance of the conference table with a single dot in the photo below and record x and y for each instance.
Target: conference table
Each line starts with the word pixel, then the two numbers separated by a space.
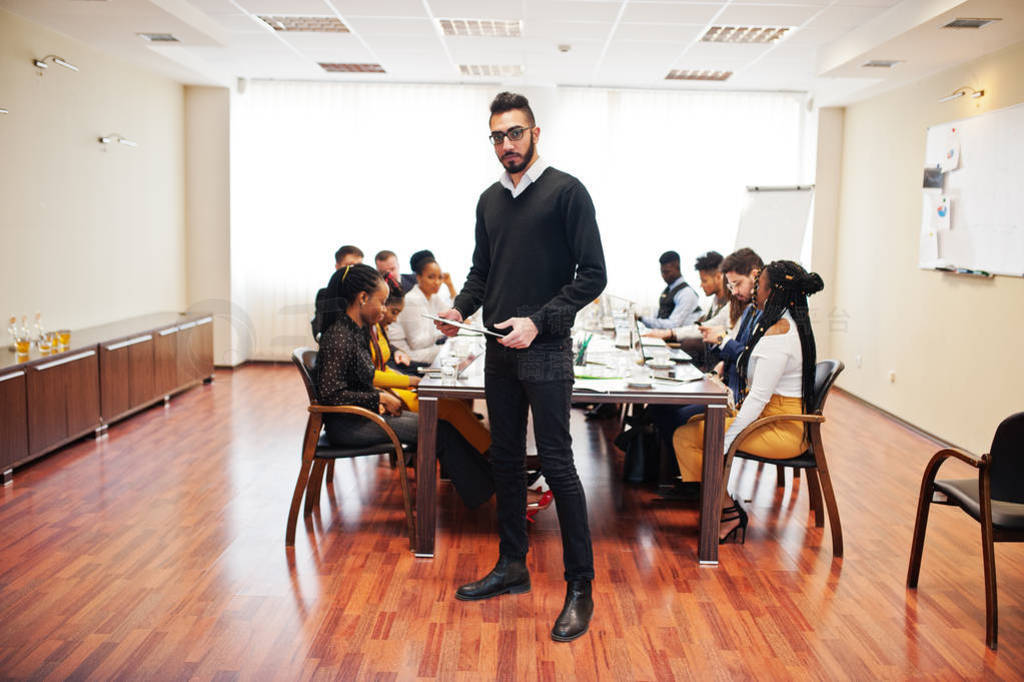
pixel 470 385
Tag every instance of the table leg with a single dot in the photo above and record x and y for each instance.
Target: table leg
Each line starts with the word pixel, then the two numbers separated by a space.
pixel 711 486
pixel 426 478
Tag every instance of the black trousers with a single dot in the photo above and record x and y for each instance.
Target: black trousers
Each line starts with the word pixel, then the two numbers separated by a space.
pixel 538 378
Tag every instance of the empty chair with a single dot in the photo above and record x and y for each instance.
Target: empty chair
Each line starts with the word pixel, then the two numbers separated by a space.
pixel 812 460
pixel 995 499
pixel 318 452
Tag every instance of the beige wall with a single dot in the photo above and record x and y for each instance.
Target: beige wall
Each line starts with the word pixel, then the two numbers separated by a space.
pixel 90 233
pixel 953 342
pixel 208 202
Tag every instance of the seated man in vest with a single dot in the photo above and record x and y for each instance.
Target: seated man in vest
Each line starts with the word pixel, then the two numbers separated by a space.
pixel 677 306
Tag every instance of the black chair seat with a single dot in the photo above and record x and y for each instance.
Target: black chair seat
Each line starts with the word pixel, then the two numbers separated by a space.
pixel 964 493
pixel 802 461
pixel 324 450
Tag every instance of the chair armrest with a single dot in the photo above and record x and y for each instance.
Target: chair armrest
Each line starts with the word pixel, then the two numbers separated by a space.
pixel 962 455
pixel 359 412
pixel 764 421
pixel 979 463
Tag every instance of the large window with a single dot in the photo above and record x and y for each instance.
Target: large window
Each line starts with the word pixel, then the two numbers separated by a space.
pixel 400 167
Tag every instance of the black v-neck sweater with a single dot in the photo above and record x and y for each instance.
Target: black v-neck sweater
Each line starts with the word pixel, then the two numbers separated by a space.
pixel 538 255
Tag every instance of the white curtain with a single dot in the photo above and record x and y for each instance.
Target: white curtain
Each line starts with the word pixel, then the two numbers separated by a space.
pixel 400 167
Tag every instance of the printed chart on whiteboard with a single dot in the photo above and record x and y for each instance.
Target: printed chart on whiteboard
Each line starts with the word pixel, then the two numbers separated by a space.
pixel 971 220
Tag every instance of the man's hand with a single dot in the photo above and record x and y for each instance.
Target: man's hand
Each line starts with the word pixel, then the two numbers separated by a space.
pixel 720 369
pixel 414 382
pixel 447 329
pixel 389 404
pixel 524 331
pixel 402 358
pixel 659 334
pixel 712 334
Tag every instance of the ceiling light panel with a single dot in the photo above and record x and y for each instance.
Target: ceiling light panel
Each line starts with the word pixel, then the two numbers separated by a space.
pixel 335 67
pixel 488 28
pixel 745 34
pixel 491 70
pixel 969 23
pixel 882 63
pixel 697 75
pixel 305 24
pixel 158 37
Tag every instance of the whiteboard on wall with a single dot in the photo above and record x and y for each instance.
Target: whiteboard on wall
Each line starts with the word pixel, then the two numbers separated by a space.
pixel 983 232
pixel 774 221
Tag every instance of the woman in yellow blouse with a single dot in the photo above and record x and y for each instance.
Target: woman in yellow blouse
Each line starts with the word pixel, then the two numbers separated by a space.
pixel 456 412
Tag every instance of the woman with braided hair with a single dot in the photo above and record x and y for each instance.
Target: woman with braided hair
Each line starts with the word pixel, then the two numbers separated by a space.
pixel 345 376
pixel 776 372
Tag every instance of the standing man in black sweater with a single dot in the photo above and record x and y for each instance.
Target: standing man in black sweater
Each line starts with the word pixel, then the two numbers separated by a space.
pixel 538 260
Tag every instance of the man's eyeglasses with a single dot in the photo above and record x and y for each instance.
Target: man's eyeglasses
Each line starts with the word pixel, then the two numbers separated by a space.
pixel 515 133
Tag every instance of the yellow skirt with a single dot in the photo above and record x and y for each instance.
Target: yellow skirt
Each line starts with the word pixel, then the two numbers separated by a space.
pixel 781 440
pixel 458 413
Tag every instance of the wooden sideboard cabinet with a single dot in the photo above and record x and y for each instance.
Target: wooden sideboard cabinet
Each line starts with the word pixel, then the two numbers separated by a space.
pixel 63 400
pixel 13 420
pixel 108 373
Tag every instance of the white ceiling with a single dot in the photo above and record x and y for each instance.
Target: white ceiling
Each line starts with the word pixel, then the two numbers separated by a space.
pixel 614 43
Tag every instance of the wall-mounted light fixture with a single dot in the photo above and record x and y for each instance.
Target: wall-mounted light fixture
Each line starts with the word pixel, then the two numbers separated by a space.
pixel 4 111
pixel 59 61
pixel 960 92
pixel 115 137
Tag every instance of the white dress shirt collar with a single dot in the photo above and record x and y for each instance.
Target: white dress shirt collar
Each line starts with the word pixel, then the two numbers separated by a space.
pixel 528 178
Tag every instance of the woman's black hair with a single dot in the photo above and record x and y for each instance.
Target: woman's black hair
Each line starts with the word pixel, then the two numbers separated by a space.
pixel 416 258
pixel 790 285
pixel 395 293
pixel 345 285
pixel 420 264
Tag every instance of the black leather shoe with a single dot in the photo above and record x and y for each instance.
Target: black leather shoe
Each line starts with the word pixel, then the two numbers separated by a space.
pixel 574 619
pixel 509 576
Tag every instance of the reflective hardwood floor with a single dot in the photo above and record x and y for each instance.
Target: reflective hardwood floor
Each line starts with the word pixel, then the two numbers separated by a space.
pixel 157 552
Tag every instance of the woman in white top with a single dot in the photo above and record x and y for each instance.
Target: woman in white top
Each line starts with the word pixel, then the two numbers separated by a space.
pixel 776 370
pixel 411 332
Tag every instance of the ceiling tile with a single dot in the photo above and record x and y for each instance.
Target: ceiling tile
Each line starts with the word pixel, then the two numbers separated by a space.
pixel 628 51
pixel 369 26
pixel 708 52
pixel 680 34
pixel 380 8
pixel 294 7
pixel 652 12
pixel 766 15
pixel 353 53
pixel 318 41
pixel 567 31
pixel 561 10
pixel 476 9
pixel 239 22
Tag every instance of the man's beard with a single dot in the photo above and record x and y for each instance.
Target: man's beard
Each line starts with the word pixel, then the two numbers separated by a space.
pixel 521 166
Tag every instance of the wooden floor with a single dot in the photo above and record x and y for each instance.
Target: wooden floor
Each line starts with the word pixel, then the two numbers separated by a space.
pixel 157 552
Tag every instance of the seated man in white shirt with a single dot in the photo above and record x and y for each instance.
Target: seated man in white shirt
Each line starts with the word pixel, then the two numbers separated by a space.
pixel 677 306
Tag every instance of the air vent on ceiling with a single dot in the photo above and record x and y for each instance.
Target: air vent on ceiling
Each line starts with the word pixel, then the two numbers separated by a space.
pixel 500 70
pixel 335 67
pixel 969 23
pixel 697 75
pixel 882 63
pixel 309 24
pixel 158 37
pixel 744 34
pixel 490 28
